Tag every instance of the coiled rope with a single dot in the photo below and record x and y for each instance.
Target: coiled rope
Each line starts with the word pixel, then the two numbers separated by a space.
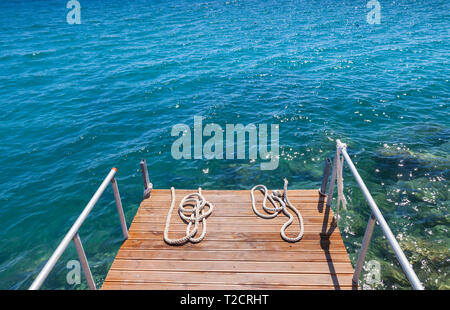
pixel 339 158
pixel 193 215
pixel 283 205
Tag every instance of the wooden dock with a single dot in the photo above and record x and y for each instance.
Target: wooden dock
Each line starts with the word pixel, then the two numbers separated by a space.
pixel 240 250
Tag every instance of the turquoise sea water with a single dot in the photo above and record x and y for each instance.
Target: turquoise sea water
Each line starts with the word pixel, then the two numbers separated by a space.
pixel 76 100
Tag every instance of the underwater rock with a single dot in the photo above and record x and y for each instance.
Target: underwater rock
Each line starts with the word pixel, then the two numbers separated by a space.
pixel 430 260
pixel 406 153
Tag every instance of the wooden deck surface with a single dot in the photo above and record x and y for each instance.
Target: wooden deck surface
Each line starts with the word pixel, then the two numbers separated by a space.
pixel 240 250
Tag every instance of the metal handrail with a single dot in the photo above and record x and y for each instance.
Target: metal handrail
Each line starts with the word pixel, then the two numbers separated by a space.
pixel 376 216
pixel 72 234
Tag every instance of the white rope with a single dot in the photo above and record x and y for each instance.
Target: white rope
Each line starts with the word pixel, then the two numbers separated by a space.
pixel 340 182
pixel 195 214
pixel 284 203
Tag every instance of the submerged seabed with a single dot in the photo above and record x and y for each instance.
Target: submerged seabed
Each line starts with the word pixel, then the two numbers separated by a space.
pixel 76 100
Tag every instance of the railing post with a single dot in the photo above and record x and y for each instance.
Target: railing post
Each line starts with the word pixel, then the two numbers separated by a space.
pixel 364 247
pixel 147 185
pixel 123 222
pixel 326 173
pixel 84 263
pixel 333 180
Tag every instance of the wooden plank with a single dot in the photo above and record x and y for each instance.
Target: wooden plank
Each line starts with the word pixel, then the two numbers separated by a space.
pixel 230 199
pixel 227 227
pixel 225 212
pixel 245 208
pixel 283 247
pixel 128 285
pixel 231 266
pixel 227 277
pixel 237 236
pixel 279 220
pixel 182 192
pixel 233 195
pixel 178 253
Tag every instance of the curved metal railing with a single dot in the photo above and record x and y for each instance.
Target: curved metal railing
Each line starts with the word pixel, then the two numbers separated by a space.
pixel 376 216
pixel 72 234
